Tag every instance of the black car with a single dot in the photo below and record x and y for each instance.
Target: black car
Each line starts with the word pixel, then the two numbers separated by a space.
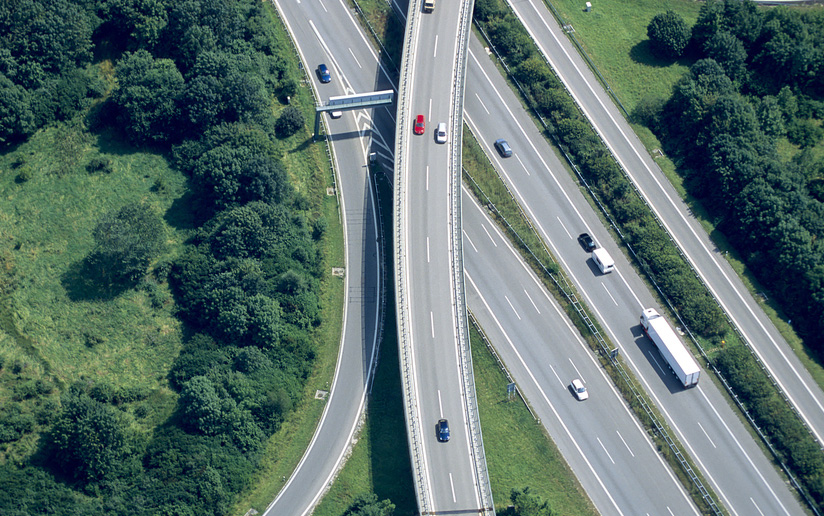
pixel 323 74
pixel 443 430
pixel 587 242
pixel 503 148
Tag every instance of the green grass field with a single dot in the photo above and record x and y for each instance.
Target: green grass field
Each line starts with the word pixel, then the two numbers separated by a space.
pixel 50 329
pixel 614 34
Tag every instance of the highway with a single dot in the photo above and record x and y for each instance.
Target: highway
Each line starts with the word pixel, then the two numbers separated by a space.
pixel 351 60
pixel 430 303
pixel 709 428
pixel 352 139
pixel 608 450
pixel 725 285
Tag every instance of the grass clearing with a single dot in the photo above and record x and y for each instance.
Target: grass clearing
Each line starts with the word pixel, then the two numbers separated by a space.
pixel 614 35
pixel 52 331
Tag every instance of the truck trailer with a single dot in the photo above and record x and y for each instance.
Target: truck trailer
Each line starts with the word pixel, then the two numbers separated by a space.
pixel 671 348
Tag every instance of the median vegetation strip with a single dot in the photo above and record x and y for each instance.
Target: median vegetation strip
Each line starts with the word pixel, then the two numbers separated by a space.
pixel 495 185
pixel 519 453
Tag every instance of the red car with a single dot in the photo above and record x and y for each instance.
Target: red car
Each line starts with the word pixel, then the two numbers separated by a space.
pixel 420 125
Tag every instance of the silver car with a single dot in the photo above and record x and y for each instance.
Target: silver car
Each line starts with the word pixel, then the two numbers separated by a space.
pixel 579 389
pixel 440 133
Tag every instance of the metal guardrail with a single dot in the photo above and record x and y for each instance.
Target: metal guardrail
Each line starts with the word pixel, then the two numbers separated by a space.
pixel 478 455
pixel 501 364
pixel 413 424
pixel 382 288
pixel 568 292
pixel 374 34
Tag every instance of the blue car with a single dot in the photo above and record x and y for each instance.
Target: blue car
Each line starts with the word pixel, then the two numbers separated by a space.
pixel 503 148
pixel 323 74
pixel 443 430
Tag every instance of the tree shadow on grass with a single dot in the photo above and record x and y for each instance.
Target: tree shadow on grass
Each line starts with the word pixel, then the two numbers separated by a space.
pixel 84 281
pixel 642 54
pixel 187 212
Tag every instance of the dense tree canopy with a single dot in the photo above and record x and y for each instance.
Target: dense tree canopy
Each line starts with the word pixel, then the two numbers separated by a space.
pixel 198 80
pixel 147 94
pixel 89 441
pixel 369 505
pixel 524 503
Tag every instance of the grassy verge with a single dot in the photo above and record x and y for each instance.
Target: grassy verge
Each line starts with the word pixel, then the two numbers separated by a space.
pixel 309 171
pixel 476 162
pixel 286 447
pixel 614 35
pixel 378 16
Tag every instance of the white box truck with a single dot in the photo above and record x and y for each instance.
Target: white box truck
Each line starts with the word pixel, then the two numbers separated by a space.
pixel 603 260
pixel 672 349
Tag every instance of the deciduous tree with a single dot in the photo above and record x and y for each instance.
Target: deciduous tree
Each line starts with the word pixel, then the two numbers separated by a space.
pixel 125 243
pixel 89 440
pixel 668 35
pixel 148 95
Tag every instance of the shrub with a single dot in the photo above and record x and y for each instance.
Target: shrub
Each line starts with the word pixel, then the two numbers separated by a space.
pixel 289 122
pixel 89 441
pixel 668 35
pixel 99 164
pixel 126 241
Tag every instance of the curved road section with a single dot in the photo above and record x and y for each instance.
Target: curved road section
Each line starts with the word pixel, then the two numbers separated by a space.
pixel 450 472
pixel 310 25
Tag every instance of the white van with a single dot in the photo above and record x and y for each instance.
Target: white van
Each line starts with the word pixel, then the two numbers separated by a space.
pixel 603 260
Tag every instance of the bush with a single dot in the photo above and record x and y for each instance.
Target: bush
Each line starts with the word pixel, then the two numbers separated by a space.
pixel 668 35
pixel 99 164
pixel 289 122
pixel 89 441
pixel 24 174
pixel 804 133
pixel 126 241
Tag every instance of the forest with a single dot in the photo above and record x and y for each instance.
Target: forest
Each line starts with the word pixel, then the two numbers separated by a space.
pixel 744 125
pixel 194 81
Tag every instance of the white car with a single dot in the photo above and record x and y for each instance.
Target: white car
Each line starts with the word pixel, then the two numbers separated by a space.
pixel 579 389
pixel 336 114
pixel 440 133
